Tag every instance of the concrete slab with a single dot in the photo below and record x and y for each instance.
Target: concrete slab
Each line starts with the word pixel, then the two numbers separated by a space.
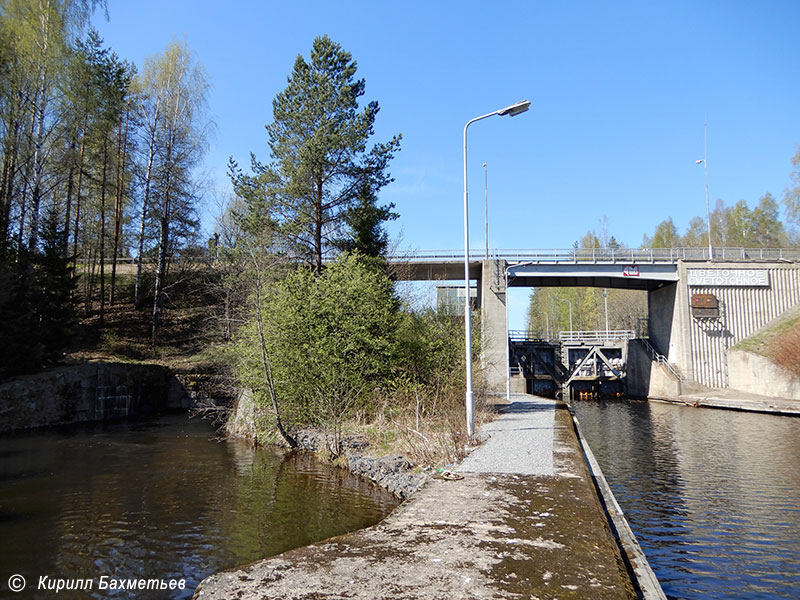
pixel 736 400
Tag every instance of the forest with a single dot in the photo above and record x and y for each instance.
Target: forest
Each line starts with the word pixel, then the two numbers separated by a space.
pixel 99 235
pixel 97 171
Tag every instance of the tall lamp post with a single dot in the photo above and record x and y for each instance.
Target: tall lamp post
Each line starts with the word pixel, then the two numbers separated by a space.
pixel 511 111
pixel 705 169
pixel 508 342
pixel 486 208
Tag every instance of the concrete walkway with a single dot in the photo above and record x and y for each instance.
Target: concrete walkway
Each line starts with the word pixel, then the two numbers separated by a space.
pixel 524 521
pixel 519 441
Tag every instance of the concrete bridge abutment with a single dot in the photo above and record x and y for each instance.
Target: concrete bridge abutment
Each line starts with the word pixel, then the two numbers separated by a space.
pixel 493 297
pixel 749 297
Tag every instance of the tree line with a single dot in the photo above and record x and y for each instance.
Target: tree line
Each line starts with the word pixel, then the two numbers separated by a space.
pixel 738 225
pixel 97 163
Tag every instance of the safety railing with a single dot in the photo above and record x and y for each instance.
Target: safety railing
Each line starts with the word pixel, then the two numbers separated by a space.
pixel 524 335
pixel 607 255
pixel 661 359
pixel 596 337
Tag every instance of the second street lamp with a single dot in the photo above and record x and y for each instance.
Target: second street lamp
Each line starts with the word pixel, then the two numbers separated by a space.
pixel 570 315
pixel 511 111
pixel 704 161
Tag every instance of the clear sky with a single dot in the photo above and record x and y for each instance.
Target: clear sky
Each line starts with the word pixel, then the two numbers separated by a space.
pixel 620 92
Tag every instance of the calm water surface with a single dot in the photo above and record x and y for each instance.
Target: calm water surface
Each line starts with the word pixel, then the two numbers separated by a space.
pixel 162 499
pixel 713 496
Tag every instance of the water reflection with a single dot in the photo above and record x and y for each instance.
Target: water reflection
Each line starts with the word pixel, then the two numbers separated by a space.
pixel 161 499
pixel 713 496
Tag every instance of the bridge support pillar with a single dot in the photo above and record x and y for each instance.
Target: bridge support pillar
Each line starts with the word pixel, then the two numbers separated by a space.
pixel 494 326
pixel 669 322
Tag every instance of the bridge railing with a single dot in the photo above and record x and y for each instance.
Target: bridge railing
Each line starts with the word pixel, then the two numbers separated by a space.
pixel 583 337
pixel 607 255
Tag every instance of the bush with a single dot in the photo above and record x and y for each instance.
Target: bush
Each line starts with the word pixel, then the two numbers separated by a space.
pixel 425 414
pixel 338 349
pixel 330 342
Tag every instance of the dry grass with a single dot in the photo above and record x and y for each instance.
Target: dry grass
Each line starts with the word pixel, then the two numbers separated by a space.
pixel 429 431
pixel 187 330
pixel 767 340
pixel 784 349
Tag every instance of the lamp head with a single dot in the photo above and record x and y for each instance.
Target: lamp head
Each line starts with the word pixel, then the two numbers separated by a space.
pixel 515 109
pixel 699 161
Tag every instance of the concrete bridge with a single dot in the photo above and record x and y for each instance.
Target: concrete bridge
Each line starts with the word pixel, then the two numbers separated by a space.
pixel 699 306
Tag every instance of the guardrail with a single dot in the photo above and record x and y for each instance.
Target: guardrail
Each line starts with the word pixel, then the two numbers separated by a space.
pixel 523 335
pixel 584 337
pixel 606 255
pixel 596 337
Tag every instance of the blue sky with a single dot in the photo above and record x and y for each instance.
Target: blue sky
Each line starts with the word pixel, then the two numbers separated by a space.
pixel 619 93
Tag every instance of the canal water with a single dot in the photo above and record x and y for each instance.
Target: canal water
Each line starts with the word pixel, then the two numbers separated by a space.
pixel 713 496
pixel 162 499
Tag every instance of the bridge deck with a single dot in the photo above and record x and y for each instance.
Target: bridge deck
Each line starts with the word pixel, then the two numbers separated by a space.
pixel 643 268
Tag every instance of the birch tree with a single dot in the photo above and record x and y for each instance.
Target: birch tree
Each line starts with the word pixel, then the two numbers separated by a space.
pixel 173 89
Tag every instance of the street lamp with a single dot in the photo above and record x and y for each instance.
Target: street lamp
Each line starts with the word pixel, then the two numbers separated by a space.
pixel 605 301
pixel 511 111
pixel 486 207
pixel 508 342
pixel 570 315
pixel 708 206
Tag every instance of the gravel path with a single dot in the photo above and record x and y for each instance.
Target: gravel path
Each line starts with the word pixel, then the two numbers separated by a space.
pixel 520 441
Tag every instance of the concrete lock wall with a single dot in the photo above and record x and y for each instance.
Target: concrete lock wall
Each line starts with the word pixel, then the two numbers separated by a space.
pixel 647 378
pixel 699 347
pixel 756 374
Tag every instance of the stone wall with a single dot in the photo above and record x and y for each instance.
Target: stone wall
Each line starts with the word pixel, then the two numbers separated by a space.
pixel 89 392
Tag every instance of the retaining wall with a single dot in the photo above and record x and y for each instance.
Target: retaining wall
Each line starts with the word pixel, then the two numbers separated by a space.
pixel 755 374
pixel 89 392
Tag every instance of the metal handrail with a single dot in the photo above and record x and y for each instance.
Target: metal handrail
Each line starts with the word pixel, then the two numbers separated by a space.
pixel 662 360
pixel 599 336
pixel 525 335
pixel 607 255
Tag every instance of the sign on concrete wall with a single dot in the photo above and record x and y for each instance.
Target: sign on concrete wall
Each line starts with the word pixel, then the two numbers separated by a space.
pixel 728 277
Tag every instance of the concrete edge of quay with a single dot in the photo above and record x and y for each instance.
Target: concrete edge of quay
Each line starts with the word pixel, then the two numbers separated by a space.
pixel 732 401
pixel 639 568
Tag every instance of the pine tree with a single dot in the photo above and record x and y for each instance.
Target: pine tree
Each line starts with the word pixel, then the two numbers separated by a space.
pixel 55 285
pixel 364 220
pixel 322 169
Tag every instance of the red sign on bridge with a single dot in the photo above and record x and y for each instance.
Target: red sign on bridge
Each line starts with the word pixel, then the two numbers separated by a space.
pixel 630 271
